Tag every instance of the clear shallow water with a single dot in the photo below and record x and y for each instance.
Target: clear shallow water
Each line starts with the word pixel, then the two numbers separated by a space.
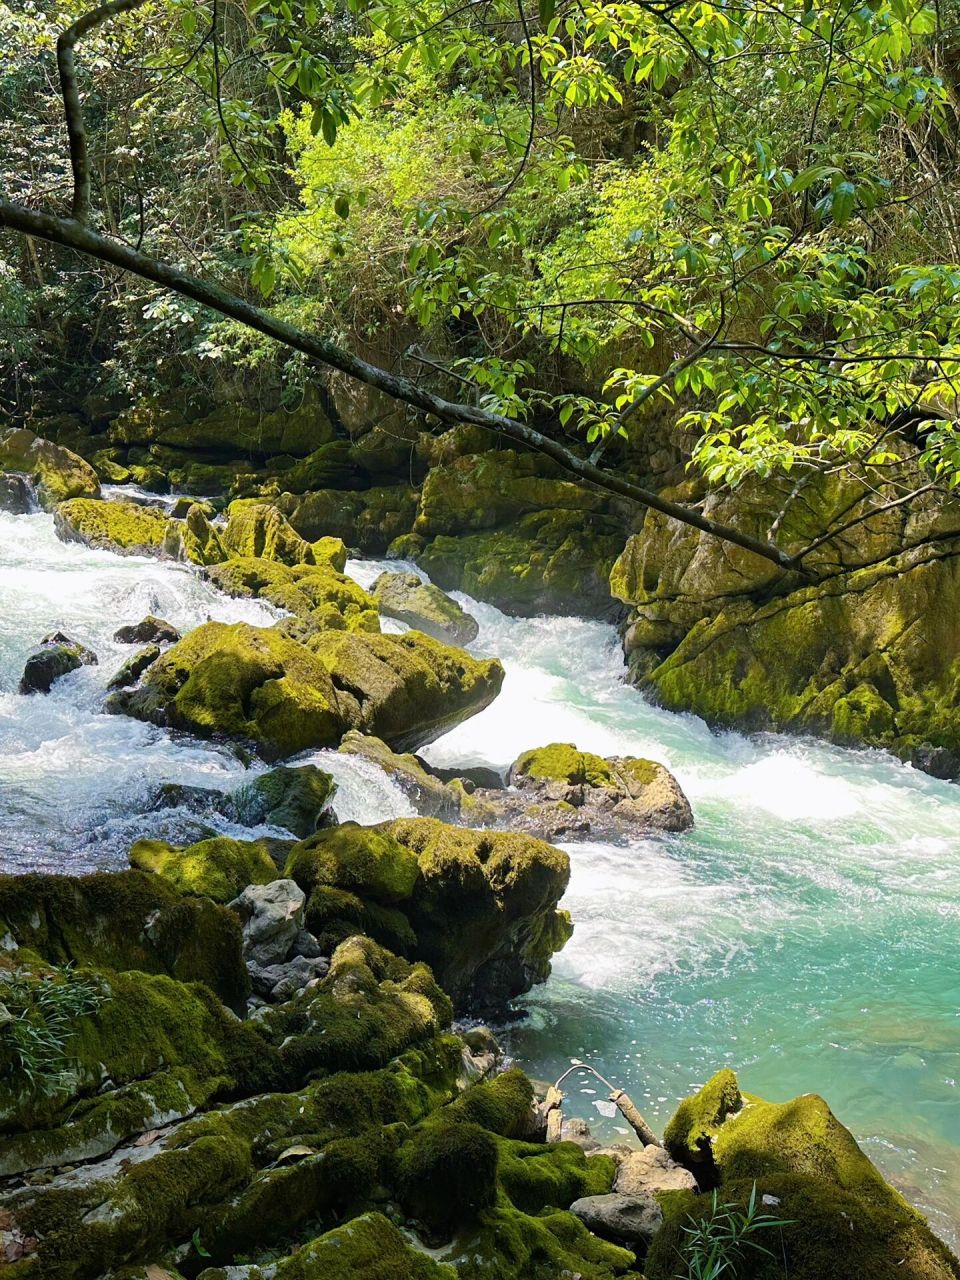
pixel 806 933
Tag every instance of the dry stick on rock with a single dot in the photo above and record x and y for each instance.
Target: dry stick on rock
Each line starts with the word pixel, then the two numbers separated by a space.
pixel 625 1105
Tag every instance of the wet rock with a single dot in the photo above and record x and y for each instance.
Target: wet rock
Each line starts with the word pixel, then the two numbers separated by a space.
pixel 272 917
pixel 295 798
pixel 149 630
pixel 57 655
pixel 652 1170
pixel 429 795
pixel 134 667
pixel 258 530
pixel 56 473
pixel 16 494
pixel 318 595
pixel 424 607
pixel 633 1220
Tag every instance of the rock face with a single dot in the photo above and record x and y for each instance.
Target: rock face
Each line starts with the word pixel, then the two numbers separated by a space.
pixel 499 527
pixel 840 1216
pixel 57 655
pixel 259 685
pixel 867 655
pixel 479 907
pixel 368 520
pixel 56 473
pixel 424 607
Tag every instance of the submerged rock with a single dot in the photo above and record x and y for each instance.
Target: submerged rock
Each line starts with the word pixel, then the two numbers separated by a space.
pixel 429 795
pixel 57 655
pixel 258 685
pixel 295 798
pixel 424 607
pixel 839 1216
pixel 56 473
pixel 148 630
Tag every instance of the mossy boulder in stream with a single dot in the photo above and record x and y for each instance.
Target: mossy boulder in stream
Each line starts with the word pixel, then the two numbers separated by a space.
pixel 260 686
pixel 56 473
pixel 256 529
pixel 479 907
pixel 840 1217
pixel 124 527
pixel 424 607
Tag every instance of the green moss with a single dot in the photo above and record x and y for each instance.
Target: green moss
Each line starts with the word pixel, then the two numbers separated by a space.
pixel 536 1176
pixel 57 473
pixel 424 607
pixel 330 551
pixel 293 798
pixel 368 520
pixel 128 920
pixel 218 868
pixel 365 860
pixel 196 539
pixel 243 682
pixel 258 530
pixel 446 1174
pixel 317 593
pixel 562 762
pixel 502 1105
pixel 124 527
pixel 694 1125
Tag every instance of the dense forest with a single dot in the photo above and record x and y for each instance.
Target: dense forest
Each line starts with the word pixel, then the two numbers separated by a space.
pixel 479 642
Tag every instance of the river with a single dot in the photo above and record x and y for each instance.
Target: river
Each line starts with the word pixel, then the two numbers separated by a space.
pixel 806 933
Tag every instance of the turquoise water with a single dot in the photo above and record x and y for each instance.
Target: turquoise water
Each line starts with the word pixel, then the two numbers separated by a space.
pixel 805 933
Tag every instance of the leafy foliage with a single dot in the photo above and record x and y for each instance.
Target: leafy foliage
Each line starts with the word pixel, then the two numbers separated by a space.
pixel 717 1243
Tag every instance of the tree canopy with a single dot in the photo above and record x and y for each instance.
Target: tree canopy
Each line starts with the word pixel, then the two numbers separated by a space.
pixel 578 217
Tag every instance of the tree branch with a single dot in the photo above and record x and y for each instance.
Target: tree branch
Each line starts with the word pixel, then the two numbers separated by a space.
pixel 72 106
pixel 72 234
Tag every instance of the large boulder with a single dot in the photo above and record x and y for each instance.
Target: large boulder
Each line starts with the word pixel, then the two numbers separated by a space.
pixel 126 528
pixel 479 907
pixel 257 529
pixel 261 686
pixel 230 430
pixel 295 798
pixel 424 607
pixel 368 520
pixel 56 473
pixel 838 1216
pixel 867 654
pixel 218 868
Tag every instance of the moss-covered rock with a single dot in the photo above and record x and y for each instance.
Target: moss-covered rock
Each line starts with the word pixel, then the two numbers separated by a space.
pixel 406 689
pixel 293 798
pixel 430 796
pixel 217 868
pixel 841 1217
pixel 479 907
pixel 318 594
pixel 259 685
pixel 134 667
pixel 124 921
pixel 368 520
pixel 56 472
pixel 424 607
pixel 126 528
pixel 867 655
pixel 149 1053
pixel 554 561
pixel 258 530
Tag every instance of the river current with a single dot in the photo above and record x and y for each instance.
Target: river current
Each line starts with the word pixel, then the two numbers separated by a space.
pixel 806 933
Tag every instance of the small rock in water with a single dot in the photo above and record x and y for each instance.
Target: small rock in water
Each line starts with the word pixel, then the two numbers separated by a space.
pixel 134 667
pixel 16 495
pixel 149 630
pixel 57 655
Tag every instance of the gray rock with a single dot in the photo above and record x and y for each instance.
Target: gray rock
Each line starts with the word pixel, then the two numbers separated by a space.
pixel 644 1172
pixel 134 667
pixel 16 494
pixel 425 607
pixel 625 1219
pixel 578 1131
pixel 273 917
pixel 149 630
pixel 305 944
pixel 55 656
pixel 281 981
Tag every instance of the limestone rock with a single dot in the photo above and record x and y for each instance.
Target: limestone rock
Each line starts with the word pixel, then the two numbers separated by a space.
pixel 272 917
pixel 633 1219
pixel 652 1170
pixel 149 630
pixel 56 655
pixel 56 473
pixel 424 607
